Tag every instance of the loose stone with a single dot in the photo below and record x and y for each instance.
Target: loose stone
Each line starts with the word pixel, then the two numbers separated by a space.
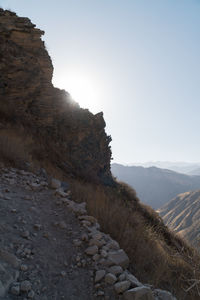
pixel 110 278
pixel 91 250
pixel 25 286
pixel 139 293
pixel 15 290
pixel 122 286
pixel 99 275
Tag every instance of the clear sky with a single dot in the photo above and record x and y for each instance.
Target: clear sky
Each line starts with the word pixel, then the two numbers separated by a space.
pixel 138 61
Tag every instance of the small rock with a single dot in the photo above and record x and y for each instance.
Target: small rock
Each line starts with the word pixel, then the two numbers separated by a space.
pixel 113 245
pixel 100 293
pixel 85 223
pixel 62 225
pixel 97 235
pixel 122 286
pixel 122 277
pixel 116 270
pixel 105 262
pixel 91 250
pixel 84 237
pixel 46 235
pixel 24 268
pixel 63 273
pixel 110 278
pixel 31 294
pixel 77 243
pixel 97 242
pixel 133 280
pixel 104 253
pixel 91 219
pixel 55 184
pixel 37 226
pixel 15 290
pixel 83 261
pixel 99 275
pixel 96 257
pixel 60 193
pixel 25 286
pixel 97 286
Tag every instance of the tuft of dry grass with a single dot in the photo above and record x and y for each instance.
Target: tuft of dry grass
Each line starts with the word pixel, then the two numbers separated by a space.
pixel 158 256
pixel 13 151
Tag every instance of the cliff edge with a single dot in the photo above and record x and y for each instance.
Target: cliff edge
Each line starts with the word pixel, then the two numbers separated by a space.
pixel 72 139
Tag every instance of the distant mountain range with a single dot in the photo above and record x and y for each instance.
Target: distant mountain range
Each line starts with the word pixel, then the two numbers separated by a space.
pixel 155 186
pixel 183 215
pixel 181 167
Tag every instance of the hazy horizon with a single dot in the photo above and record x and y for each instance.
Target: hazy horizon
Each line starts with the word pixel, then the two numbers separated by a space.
pixel 135 60
pixel 157 161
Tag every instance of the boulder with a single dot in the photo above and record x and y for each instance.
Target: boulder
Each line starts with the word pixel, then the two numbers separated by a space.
pixel 133 280
pixel 163 295
pixel 122 286
pixel 119 257
pixel 139 293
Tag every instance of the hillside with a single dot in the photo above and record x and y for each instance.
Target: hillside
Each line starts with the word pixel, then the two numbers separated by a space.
pixel 182 214
pixel 155 186
pixel 44 134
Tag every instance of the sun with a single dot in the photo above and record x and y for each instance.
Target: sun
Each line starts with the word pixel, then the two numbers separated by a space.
pixel 82 88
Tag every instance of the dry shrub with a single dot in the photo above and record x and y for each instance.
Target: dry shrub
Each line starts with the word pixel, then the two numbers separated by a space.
pixel 157 255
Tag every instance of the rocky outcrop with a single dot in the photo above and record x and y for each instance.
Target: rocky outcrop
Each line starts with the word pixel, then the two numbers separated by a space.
pixel 71 138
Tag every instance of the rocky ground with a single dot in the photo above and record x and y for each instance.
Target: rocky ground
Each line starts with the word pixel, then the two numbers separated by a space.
pixel 51 249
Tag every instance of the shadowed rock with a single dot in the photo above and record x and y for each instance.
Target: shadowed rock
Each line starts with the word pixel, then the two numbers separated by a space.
pixel 70 138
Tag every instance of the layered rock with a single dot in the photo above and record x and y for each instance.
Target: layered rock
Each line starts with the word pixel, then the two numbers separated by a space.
pixel 71 138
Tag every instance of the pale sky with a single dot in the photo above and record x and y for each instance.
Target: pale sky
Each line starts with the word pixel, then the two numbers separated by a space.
pixel 135 60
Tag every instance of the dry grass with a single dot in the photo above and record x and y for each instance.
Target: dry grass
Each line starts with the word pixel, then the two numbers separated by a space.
pixel 13 151
pixel 157 255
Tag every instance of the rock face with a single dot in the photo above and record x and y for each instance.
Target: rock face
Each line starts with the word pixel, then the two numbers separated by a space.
pixel 72 139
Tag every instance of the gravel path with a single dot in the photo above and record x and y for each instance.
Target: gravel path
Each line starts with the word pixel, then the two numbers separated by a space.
pixel 40 233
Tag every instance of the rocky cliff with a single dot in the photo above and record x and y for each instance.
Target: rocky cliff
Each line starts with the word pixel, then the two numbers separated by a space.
pixel 72 139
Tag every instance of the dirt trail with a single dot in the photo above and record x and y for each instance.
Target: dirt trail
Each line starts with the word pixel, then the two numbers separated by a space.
pixel 38 229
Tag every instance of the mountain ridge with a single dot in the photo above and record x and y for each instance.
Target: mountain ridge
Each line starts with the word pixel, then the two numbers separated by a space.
pixel 155 186
pixel 180 167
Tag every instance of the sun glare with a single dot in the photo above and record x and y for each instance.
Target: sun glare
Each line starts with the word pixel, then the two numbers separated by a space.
pixel 82 88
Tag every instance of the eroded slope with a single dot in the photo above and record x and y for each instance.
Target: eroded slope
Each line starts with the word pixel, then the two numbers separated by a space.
pixel 182 214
